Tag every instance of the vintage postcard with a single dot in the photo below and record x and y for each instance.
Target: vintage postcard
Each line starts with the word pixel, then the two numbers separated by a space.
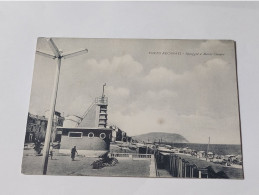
pixel 134 108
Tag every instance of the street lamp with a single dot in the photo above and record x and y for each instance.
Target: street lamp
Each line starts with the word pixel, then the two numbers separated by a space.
pixel 57 55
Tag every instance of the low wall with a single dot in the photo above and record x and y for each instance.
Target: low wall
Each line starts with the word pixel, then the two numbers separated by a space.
pixel 132 156
pixel 86 153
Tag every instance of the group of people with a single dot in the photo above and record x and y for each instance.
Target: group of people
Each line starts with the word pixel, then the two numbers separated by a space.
pixel 37 148
pixel 73 153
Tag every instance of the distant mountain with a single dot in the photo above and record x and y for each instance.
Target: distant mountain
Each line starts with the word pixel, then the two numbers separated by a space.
pixel 166 137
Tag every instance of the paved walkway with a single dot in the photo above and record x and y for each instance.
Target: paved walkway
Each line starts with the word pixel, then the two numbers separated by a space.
pixel 62 165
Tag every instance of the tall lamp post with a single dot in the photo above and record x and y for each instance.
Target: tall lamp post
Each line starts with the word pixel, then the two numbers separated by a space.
pixel 59 56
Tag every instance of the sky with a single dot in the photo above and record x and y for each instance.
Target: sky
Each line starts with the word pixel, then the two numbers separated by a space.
pixel 176 86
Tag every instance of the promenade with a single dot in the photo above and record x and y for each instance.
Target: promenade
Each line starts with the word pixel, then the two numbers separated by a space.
pixel 63 165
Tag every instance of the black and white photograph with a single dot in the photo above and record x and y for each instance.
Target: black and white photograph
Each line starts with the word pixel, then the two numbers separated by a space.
pixel 129 98
pixel 159 108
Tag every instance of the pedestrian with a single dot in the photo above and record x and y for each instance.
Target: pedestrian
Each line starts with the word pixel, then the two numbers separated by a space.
pixel 37 147
pixel 73 153
pixel 51 152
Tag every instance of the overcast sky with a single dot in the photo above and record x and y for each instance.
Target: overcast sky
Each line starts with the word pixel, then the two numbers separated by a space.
pixel 148 91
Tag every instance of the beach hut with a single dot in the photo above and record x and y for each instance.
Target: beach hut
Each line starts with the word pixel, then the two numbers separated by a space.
pixel 201 154
pixel 210 155
pixel 185 150
pixel 238 160
pixel 188 151
pixel 194 153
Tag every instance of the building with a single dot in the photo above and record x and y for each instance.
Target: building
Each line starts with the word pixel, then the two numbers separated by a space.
pixel 201 154
pixel 36 128
pixel 121 135
pixel 89 141
pixel 90 133
pixel 37 125
pixel 71 121
pixel 58 121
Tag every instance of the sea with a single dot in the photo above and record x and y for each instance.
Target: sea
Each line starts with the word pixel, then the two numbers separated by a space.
pixel 219 149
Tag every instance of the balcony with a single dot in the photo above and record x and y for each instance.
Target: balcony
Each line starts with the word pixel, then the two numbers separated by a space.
pixel 101 100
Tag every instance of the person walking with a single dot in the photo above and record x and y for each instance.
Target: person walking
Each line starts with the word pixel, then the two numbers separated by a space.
pixel 51 152
pixel 73 153
pixel 37 147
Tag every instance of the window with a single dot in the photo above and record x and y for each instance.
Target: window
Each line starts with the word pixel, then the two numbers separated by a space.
pixel 91 135
pixel 102 135
pixel 75 134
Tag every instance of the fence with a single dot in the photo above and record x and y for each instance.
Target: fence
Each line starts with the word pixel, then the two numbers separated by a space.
pixel 120 155
pixel 179 167
pixel 132 156
pixel 141 156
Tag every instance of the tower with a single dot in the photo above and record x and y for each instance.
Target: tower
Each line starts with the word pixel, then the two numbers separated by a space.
pixel 102 102
pixel 96 114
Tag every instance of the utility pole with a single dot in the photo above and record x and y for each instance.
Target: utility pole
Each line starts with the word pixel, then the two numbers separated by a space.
pixel 57 55
pixel 208 149
pixel 50 120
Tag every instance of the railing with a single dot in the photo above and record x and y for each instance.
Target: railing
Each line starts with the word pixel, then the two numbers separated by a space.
pixel 132 156
pixel 118 155
pixel 141 156
pixel 101 100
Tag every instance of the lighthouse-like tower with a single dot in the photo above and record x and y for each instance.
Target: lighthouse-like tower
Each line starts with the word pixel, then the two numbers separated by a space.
pixel 96 115
pixel 102 103
pixel 89 133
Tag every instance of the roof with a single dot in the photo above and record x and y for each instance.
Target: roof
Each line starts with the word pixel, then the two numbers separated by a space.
pixel 230 171
pixel 38 117
pixel 85 128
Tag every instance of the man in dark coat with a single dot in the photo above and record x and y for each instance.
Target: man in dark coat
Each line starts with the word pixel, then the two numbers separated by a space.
pixel 73 153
